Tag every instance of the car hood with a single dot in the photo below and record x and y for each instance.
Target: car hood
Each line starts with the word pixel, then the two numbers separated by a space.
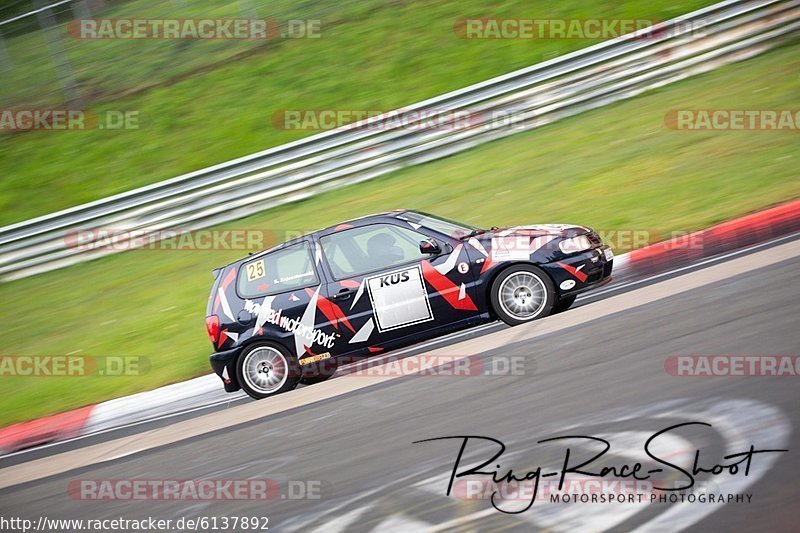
pixel 536 230
pixel 521 242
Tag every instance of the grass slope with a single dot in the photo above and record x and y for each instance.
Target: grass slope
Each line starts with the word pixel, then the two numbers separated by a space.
pixel 204 102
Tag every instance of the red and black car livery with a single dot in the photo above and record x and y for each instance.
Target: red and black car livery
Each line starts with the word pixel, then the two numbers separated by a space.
pixel 383 281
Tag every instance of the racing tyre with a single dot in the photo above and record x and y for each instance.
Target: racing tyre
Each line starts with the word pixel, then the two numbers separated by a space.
pixel 266 369
pixel 522 293
pixel 564 303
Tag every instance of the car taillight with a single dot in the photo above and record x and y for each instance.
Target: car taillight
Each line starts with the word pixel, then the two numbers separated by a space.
pixel 212 327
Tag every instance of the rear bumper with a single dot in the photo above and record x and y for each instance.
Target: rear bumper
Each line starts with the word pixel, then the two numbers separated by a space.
pixel 224 365
pixel 581 272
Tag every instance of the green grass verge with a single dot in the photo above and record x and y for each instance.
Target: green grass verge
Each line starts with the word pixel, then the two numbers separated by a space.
pixel 204 102
pixel 613 168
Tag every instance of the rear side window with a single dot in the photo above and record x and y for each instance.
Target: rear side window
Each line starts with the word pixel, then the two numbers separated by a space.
pixel 283 270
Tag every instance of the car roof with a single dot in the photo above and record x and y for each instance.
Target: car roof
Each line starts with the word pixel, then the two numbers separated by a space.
pixel 358 221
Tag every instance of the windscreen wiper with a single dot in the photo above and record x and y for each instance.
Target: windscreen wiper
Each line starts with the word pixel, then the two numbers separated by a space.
pixel 475 232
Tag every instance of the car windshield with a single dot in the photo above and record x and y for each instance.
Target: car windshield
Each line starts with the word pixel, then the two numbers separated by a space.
pixel 446 226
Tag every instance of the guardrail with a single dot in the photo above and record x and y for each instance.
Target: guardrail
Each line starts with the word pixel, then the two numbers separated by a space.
pixel 534 96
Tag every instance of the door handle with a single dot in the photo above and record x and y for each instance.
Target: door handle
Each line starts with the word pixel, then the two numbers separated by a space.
pixel 343 294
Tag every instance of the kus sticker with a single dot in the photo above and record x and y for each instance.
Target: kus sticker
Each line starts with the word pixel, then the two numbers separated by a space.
pixel 399 298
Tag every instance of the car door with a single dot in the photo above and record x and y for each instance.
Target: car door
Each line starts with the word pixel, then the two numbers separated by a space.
pixel 385 289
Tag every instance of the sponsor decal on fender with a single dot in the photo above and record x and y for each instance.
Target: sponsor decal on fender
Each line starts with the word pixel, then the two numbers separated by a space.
pixel 575 271
pixel 511 248
pixel 315 358
pixel 567 285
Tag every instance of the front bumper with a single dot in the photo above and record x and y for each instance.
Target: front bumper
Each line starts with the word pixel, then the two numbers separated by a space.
pixel 581 272
pixel 224 365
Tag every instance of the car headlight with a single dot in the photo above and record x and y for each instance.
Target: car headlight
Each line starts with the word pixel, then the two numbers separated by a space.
pixel 575 244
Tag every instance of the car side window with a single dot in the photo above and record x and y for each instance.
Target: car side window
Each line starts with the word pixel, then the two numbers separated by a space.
pixel 339 261
pixel 283 270
pixel 357 251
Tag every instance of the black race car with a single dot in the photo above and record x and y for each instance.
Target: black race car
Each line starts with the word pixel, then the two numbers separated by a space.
pixel 383 281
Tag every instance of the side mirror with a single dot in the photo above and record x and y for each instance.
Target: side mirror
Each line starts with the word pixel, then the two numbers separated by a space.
pixel 430 247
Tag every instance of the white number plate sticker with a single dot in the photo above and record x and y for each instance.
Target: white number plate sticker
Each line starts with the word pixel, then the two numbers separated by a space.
pixel 609 254
pixel 255 270
pixel 399 298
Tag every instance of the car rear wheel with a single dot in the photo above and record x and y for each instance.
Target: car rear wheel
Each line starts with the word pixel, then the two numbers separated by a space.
pixel 522 293
pixel 266 370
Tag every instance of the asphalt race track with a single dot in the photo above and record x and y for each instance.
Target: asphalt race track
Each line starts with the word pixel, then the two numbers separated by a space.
pixel 598 370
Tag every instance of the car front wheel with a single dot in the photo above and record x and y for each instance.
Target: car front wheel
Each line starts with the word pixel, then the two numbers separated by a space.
pixel 522 293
